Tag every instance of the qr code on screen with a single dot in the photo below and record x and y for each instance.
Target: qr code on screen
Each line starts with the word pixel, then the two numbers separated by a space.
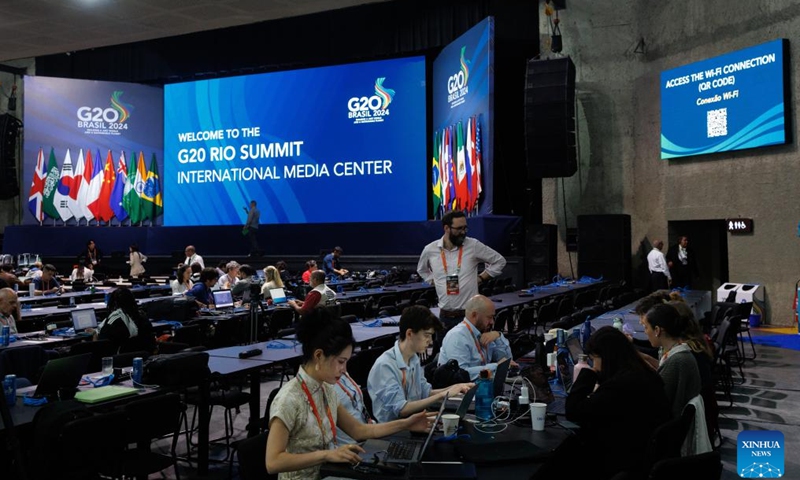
pixel 717 122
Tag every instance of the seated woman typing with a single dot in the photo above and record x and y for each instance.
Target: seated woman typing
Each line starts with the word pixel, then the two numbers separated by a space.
pixel 618 403
pixel 306 415
pixel 126 325
pixel 665 327
pixel 397 383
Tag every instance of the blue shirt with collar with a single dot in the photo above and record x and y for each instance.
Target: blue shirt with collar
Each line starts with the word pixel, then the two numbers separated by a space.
pixel 385 384
pixel 350 397
pixel 201 293
pixel 460 344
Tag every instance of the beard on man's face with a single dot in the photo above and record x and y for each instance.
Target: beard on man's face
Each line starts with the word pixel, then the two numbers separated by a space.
pixel 457 239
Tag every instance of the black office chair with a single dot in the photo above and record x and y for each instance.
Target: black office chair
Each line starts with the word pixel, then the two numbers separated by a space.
pixel 227 393
pixel 547 313
pixel 70 449
pixel 706 466
pixel 262 427
pixel 188 334
pixel 353 308
pixel 98 349
pixel 502 319
pixel 149 419
pixel 359 365
pixel 279 320
pixel 251 458
pixel 124 360
pixel 165 348
pixel 24 362
pixel 667 439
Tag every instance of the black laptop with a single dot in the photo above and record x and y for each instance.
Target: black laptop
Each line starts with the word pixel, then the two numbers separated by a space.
pixel 399 451
pixel 500 375
pixel 60 373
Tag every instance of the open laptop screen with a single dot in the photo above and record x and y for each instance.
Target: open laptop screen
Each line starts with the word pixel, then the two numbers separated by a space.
pixel 575 348
pixel 278 296
pixel 223 298
pixel 83 319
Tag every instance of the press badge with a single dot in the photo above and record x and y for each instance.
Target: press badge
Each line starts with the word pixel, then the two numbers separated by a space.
pixel 452 284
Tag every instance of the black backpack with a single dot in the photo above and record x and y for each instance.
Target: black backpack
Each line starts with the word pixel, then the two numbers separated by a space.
pixel 449 374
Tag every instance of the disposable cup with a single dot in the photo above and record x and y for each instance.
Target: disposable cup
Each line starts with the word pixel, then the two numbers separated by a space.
pixel 538 413
pixel 450 424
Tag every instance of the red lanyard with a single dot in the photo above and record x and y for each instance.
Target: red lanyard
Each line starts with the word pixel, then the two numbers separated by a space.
pixel 477 344
pixel 444 260
pixel 316 412
pixel 352 395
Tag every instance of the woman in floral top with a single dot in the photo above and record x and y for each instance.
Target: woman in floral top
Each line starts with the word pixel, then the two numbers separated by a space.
pixel 306 414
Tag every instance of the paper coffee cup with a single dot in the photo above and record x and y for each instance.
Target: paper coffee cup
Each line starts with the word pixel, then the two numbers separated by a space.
pixel 538 413
pixel 450 424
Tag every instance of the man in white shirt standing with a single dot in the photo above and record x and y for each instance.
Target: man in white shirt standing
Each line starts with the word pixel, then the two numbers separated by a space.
pixel 660 278
pixel 192 257
pixel 451 264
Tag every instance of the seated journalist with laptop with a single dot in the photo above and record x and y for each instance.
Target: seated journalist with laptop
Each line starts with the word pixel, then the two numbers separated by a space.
pixel 473 343
pixel 306 414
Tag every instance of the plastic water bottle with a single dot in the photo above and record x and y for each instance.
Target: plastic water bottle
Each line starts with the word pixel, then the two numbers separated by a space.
pixel 10 389
pixel 484 396
pixel 136 374
pixel 586 332
pixel 5 336
pixel 31 288
pixel 583 362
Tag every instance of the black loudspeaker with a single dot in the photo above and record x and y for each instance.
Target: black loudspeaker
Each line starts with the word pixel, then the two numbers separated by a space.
pixel 604 247
pixel 541 255
pixel 550 145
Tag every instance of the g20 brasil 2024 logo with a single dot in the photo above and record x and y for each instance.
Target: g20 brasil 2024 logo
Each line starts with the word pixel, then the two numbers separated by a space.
pixel 373 108
pixel 457 87
pixel 759 454
pixel 105 120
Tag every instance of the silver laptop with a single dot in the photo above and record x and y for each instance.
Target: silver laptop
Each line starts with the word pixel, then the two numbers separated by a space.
pixel 401 450
pixel 82 319
pixel 222 299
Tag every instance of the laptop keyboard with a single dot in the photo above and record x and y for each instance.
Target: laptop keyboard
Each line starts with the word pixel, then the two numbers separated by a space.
pixel 401 450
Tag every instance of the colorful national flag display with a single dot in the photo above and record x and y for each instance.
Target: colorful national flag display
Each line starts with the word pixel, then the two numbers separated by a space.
pixel 50 185
pixel 436 180
pixel 456 168
pixel 36 193
pixel 152 204
pixel 93 189
pixel 119 189
pixel 61 197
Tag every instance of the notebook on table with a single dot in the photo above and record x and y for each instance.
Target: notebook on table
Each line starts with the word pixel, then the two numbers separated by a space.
pixel 401 450
pixel 103 394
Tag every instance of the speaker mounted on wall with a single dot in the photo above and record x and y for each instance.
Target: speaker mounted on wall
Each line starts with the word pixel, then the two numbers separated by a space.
pixel 550 141
pixel 541 255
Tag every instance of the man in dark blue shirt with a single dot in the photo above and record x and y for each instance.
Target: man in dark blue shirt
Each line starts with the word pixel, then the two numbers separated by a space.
pixel 48 283
pixel 331 263
pixel 201 291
